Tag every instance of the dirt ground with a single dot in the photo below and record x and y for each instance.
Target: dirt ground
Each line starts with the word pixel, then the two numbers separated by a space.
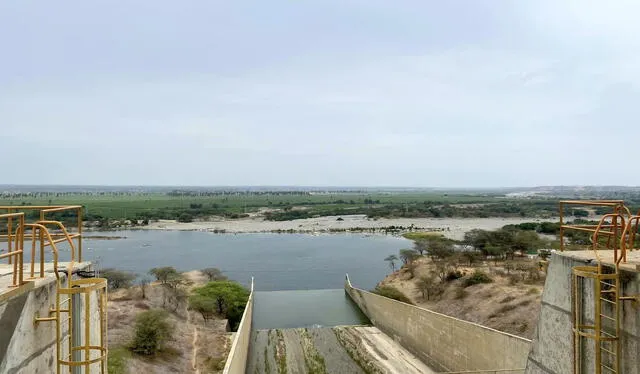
pixel 196 347
pixel 502 305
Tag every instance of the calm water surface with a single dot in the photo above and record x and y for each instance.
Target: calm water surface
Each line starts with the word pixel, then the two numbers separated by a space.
pixel 276 261
pixel 314 308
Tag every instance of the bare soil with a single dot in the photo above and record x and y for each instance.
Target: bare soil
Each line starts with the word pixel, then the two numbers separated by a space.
pixel 507 304
pixel 196 347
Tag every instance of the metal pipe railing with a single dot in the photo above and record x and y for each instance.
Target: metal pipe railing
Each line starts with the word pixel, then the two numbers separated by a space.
pixel 15 247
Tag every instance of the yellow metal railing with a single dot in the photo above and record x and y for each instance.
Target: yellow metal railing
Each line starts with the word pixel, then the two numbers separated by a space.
pixel 615 230
pixel 85 289
pixel 43 212
pixel 77 344
pixel 15 247
pixel 598 325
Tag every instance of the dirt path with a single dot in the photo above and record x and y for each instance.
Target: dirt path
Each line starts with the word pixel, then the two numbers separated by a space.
pixel 194 344
pixel 197 279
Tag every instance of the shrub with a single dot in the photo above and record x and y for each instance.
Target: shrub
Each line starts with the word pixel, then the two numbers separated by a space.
pixel 117 359
pixel 477 277
pixel 214 274
pixel 392 293
pixel 185 218
pixel 117 279
pixel 453 275
pixel 226 298
pixel 152 330
pixel 533 291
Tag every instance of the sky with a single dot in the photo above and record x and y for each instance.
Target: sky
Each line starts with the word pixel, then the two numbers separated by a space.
pixel 482 93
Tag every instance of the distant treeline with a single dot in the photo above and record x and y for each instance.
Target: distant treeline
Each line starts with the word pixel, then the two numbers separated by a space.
pixel 524 208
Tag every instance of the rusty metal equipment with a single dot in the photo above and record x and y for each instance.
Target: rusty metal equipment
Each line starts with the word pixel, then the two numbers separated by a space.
pixel 596 297
pixel 613 228
pixel 80 304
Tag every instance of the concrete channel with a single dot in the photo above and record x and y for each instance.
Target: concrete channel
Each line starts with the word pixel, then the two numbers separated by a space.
pixel 342 349
pixel 354 331
pixel 320 331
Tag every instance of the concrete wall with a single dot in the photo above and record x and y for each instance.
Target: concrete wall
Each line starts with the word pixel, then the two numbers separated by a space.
pixel 442 342
pixel 237 360
pixel 552 348
pixel 29 348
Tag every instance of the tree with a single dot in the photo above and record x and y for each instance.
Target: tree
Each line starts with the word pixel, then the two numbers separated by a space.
pixel 206 306
pixel 185 218
pixel 171 281
pixel 392 261
pixel 440 249
pixel 429 287
pixel 421 246
pixel 144 282
pixel 434 245
pixel 117 279
pixel 477 238
pixel 163 274
pixel 446 269
pixel 495 252
pixel 229 298
pixel 471 256
pixel 524 241
pixel 152 330
pixel 214 274
pixel 408 255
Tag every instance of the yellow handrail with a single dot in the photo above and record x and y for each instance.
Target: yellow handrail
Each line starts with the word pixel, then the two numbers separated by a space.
pixel 614 225
pixel 15 256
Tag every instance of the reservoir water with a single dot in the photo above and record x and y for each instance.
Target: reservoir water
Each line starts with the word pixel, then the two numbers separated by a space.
pixel 313 308
pixel 276 261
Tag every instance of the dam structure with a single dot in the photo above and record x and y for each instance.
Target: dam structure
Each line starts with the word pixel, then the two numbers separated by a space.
pixel 588 323
pixel 53 312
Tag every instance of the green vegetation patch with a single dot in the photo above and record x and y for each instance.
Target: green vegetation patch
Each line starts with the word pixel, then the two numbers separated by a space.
pixel 313 360
pixel 477 277
pixel 420 235
pixel 225 298
pixel 152 331
pixel 118 358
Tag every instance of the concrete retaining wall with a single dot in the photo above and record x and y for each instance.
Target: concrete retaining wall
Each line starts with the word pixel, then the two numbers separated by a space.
pixel 552 348
pixel 29 348
pixel 237 360
pixel 444 343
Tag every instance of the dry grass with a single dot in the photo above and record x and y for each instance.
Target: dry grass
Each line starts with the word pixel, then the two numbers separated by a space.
pixel 213 343
pixel 508 304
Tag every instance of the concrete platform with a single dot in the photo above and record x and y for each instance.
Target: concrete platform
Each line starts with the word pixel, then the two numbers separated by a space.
pixel 6 277
pixel 344 349
pixel 632 264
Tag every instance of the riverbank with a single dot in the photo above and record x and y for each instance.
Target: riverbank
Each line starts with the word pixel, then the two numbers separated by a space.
pixel 453 228
pixel 509 303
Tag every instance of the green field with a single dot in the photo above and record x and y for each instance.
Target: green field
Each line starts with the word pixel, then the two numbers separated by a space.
pixel 288 205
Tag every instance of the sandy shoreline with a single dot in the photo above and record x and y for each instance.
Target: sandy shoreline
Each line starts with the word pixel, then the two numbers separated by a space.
pixel 453 228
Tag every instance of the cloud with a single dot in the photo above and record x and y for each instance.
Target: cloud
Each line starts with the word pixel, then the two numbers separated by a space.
pixel 328 93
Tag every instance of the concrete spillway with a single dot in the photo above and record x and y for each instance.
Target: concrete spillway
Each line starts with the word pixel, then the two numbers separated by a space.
pixel 322 331
pixel 344 349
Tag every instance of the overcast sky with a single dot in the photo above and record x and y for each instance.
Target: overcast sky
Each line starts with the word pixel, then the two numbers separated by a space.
pixel 326 92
